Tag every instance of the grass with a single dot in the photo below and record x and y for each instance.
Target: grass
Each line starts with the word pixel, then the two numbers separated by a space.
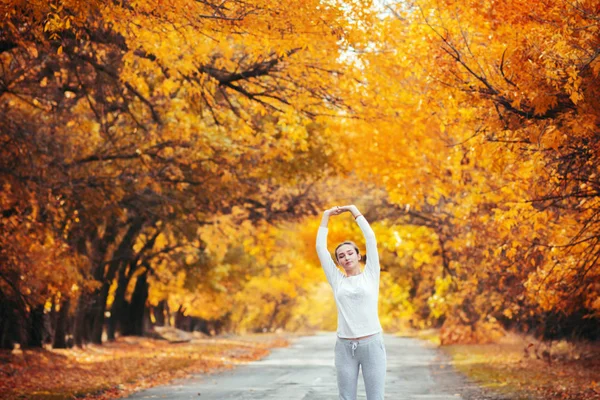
pixel 520 367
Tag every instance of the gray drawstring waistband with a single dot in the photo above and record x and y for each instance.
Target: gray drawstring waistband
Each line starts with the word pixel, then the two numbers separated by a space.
pixel 353 343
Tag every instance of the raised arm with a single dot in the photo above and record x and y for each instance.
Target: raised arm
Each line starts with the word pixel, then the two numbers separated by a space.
pixel 333 274
pixel 370 240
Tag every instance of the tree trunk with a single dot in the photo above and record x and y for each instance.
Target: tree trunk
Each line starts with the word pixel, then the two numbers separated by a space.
pixel 36 327
pixel 159 313
pixel 272 318
pixel 60 330
pixel 8 324
pixel 118 308
pixel 138 304
pixel 99 247
pixel 167 314
pixel 179 317
pixel 52 317
pixel 122 255
pixel 98 310
pixel 80 328
pixel 147 322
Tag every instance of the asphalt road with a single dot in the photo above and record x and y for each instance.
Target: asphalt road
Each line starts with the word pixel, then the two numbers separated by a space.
pixel 305 371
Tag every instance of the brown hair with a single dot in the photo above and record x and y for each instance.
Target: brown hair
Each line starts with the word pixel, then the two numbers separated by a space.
pixel 363 258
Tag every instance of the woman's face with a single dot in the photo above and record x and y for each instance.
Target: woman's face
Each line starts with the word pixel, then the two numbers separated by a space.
pixel 347 257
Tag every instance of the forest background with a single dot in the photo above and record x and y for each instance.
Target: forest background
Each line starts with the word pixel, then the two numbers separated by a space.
pixel 167 163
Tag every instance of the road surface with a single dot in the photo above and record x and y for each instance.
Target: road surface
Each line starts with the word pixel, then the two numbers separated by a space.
pixel 305 371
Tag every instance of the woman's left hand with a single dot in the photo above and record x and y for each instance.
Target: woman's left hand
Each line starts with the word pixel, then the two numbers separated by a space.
pixel 351 208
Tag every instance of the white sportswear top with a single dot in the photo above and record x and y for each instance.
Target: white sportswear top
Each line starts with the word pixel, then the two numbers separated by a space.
pixel 356 296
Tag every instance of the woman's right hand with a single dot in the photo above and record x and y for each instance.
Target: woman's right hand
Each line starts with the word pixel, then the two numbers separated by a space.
pixel 334 211
pixel 330 212
pixel 351 209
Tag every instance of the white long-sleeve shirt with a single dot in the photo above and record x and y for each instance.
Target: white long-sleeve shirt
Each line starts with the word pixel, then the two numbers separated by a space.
pixel 356 296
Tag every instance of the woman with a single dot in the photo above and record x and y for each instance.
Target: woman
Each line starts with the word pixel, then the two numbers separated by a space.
pixel 360 341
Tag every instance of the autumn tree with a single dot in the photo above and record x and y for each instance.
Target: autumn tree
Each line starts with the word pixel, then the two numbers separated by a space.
pixel 147 119
pixel 492 120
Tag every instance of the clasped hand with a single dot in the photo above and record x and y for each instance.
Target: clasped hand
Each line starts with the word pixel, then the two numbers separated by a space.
pixel 339 209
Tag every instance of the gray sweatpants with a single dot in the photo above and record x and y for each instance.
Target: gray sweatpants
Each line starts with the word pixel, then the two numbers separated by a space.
pixel 368 354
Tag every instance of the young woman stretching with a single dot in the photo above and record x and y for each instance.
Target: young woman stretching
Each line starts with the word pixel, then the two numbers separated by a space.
pixel 360 342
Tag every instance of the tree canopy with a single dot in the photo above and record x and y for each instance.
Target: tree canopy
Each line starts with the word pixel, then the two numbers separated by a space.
pixel 176 155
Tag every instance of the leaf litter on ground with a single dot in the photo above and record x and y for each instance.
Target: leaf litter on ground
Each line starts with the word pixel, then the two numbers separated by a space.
pixel 115 369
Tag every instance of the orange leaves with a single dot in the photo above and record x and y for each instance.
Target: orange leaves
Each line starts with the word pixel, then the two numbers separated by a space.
pixel 522 367
pixel 482 125
pixel 118 368
pixel 37 263
pixel 476 116
pixel 194 119
pixel 273 297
